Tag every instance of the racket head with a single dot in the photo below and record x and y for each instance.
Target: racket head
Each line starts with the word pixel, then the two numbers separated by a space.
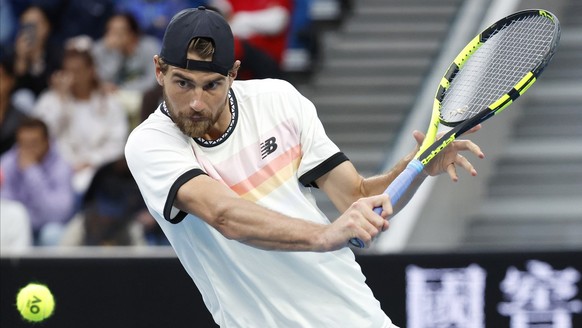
pixel 497 66
pixel 479 84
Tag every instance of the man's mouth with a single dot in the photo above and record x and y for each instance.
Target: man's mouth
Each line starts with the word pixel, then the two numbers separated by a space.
pixel 198 118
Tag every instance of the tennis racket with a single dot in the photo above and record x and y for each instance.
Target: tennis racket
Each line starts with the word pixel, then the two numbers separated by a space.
pixel 489 74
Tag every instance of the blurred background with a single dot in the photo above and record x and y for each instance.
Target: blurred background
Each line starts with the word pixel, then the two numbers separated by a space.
pixel 503 249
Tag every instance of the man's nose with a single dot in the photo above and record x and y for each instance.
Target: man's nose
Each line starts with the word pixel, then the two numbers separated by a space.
pixel 196 102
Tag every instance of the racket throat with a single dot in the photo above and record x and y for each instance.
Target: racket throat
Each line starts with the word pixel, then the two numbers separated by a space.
pixel 436 148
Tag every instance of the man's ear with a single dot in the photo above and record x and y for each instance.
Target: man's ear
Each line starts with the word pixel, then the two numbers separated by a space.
pixel 234 71
pixel 159 74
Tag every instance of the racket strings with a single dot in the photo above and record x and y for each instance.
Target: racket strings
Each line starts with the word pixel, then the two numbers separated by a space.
pixel 497 66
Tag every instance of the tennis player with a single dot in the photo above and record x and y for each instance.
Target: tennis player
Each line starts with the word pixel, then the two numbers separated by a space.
pixel 226 169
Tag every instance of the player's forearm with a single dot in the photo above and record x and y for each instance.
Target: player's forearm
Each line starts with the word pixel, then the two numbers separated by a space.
pixel 252 224
pixel 378 184
pixel 266 229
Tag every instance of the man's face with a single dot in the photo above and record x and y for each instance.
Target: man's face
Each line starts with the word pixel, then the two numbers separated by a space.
pixel 37 28
pixel 197 101
pixel 118 33
pixel 79 71
pixel 32 142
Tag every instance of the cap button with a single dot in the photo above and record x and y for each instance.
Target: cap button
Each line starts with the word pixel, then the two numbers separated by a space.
pixel 201 8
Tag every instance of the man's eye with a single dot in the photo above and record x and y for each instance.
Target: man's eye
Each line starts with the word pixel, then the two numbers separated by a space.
pixel 182 83
pixel 211 86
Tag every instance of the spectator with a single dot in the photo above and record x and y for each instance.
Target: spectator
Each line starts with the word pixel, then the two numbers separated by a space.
pixel 260 29
pixel 111 211
pixel 36 175
pixel 74 18
pixel 111 205
pixel 89 125
pixel 123 56
pixel 15 231
pixel 154 15
pixel 36 55
pixel 10 114
pixel 123 59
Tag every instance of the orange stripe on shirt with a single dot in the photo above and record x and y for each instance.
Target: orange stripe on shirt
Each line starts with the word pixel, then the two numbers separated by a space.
pixel 274 182
pixel 268 171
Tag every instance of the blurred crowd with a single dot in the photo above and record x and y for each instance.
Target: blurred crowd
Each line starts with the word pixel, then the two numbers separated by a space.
pixel 75 78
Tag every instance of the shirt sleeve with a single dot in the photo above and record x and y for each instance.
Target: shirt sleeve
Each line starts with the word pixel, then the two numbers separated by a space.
pixel 161 160
pixel 319 153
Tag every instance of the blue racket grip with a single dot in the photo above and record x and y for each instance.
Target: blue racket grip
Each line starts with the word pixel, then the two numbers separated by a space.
pixel 396 189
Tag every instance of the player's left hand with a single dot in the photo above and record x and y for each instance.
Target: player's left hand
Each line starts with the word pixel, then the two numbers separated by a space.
pixel 449 158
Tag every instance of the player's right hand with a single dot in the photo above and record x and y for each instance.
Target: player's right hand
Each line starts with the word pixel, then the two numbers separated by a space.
pixel 359 221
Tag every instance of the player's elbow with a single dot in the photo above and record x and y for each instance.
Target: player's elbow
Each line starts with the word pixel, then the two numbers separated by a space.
pixel 222 225
pixel 222 221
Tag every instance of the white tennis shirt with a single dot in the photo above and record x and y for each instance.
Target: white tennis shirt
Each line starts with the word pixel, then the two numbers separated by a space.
pixel 274 148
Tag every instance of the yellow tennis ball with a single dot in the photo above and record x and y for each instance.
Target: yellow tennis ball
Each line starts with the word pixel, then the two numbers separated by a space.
pixel 35 302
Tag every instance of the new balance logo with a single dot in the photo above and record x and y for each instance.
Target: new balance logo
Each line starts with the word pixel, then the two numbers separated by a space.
pixel 268 147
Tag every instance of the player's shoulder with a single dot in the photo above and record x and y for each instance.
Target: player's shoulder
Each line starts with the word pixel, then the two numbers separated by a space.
pixel 156 128
pixel 263 86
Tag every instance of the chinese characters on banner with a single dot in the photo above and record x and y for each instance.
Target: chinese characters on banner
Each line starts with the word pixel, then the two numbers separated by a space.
pixel 541 296
pixel 446 297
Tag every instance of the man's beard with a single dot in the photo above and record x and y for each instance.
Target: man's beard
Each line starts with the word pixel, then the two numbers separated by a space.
pixel 194 129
